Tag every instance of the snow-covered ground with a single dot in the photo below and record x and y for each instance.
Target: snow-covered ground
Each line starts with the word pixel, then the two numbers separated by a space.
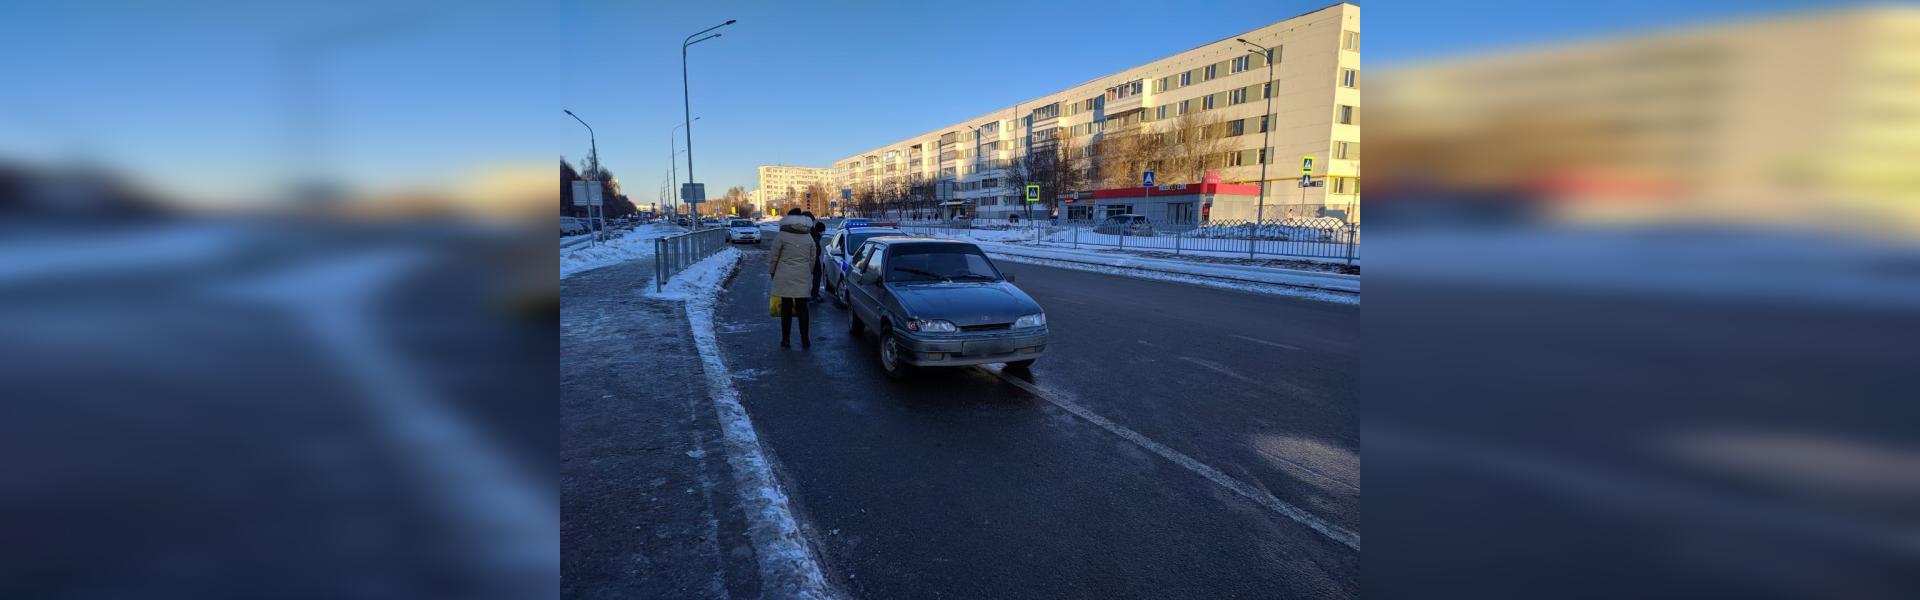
pixel 634 244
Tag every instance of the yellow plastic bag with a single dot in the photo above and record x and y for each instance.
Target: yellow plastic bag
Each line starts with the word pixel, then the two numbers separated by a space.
pixel 773 305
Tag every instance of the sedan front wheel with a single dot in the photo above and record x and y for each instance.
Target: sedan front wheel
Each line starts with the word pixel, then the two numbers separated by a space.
pixel 892 357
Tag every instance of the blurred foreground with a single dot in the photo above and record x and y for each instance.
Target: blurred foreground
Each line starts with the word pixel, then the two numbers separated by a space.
pixel 1640 316
pixel 276 407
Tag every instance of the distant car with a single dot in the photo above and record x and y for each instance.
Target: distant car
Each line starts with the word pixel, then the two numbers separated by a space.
pixel 742 230
pixel 712 223
pixel 1125 225
pixel 938 303
pixel 836 253
pixel 682 221
pixel 572 226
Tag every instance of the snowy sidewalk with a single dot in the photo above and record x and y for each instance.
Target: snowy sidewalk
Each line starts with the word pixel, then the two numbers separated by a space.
pixel 1331 282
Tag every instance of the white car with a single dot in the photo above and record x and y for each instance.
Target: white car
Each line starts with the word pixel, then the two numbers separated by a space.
pixel 742 230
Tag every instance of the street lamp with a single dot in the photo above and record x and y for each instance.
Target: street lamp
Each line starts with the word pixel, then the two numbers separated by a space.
pixel 673 158
pixel 1267 132
pixel 686 104
pixel 595 145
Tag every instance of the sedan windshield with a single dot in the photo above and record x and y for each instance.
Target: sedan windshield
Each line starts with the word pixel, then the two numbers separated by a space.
pixel 740 223
pixel 939 262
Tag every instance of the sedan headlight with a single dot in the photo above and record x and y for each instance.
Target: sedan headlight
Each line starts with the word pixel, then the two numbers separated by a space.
pixel 1033 320
pixel 931 326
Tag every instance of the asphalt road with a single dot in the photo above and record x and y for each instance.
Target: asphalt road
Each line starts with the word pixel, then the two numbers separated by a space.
pixel 1207 429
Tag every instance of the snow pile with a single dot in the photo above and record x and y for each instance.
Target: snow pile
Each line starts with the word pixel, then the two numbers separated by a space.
pixel 1315 230
pixel 701 280
pixel 635 244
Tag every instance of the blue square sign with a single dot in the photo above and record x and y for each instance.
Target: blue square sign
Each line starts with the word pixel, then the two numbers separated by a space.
pixel 1146 179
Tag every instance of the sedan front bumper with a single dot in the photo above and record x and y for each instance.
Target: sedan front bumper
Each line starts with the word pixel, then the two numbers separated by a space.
pixel 962 349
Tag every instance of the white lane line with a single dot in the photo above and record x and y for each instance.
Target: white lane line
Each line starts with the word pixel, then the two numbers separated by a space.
pixel 788 568
pixel 1148 344
pixel 1215 367
pixel 1261 341
pixel 1259 496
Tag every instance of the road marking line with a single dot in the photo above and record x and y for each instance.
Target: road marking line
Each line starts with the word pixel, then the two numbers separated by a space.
pixel 1148 344
pixel 1260 341
pixel 1217 368
pixel 1259 496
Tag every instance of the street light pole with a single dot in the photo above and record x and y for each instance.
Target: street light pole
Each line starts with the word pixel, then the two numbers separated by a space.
pixel 595 153
pixel 673 162
pixel 1260 214
pixel 686 103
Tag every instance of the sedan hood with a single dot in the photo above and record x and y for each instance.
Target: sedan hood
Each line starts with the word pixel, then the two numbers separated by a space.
pixel 965 303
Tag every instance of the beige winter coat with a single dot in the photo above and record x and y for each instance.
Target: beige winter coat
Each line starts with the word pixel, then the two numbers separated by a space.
pixel 793 255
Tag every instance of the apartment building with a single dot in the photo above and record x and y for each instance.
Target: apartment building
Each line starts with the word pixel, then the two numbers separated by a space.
pixel 1220 88
pixel 1797 119
pixel 780 183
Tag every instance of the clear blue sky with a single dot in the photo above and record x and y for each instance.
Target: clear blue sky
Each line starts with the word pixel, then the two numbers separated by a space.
pixel 192 99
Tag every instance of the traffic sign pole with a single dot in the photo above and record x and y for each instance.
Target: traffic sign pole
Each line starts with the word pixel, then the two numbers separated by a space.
pixel 1146 181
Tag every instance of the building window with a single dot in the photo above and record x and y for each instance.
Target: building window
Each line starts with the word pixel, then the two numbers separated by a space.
pixel 1186 78
pixel 1350 78
pixel 1240 64
pixel 1233 158
pixel 1263 122
pixel 1266 90
pixel 1212 71
pixel 1184 104
pixel 1263 156
pixel 1350 40
pixel 1160 113
pixel 1238 127
pixel 1348 115
pixel 1237 96
pixel 1207 102
pixel 1346 150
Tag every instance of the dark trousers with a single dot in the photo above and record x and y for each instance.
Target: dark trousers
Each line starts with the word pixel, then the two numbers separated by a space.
pixel 789 306
pixel 816 279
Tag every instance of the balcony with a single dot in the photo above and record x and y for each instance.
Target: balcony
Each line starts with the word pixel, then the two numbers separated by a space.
pixel 1133 102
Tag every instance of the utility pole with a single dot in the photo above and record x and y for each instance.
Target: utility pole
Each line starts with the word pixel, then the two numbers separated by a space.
pixel 1267 133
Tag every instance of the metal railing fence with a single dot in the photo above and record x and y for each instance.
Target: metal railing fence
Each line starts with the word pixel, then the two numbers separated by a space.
pixel 1319 237
pixel 673 254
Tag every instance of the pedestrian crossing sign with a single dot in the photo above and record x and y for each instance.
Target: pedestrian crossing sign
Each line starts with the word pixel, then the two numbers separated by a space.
pixel 1033 192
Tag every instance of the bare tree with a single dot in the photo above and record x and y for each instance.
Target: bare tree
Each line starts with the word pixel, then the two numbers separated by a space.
pixel 1124 151
pixel 1192 145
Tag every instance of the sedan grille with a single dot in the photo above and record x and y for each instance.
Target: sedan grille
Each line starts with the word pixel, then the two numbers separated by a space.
pixel 993 327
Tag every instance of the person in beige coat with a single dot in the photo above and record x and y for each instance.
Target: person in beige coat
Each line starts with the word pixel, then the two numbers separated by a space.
pixel 794 254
